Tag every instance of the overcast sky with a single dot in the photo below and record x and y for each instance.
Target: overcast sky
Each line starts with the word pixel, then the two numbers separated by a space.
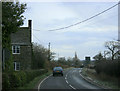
pixel 87 39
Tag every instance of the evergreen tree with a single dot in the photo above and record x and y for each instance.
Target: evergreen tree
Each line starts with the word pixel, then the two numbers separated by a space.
pixel 12 19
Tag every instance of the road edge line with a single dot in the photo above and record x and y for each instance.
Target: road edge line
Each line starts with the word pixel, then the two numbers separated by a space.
pixel 43 81
pixel 92 82
pixel 72 87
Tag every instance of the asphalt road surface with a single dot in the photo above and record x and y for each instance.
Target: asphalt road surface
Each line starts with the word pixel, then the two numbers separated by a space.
pixel 71 79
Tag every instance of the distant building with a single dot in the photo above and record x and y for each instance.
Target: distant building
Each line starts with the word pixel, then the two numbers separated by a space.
pixel 76 56
pixel 76 61
pixel 22 47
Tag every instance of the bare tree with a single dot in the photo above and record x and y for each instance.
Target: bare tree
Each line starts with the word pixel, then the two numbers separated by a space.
pixel 98 57
pixel 40 56
pixel 112 46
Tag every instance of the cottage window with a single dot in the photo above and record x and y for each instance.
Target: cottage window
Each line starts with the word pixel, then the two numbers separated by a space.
pixel 16 49
pixel 16 66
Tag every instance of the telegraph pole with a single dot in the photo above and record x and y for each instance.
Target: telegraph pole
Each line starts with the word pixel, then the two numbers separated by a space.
pixel 119 30
pixel 119 22
pixel 49 51
pixel 58 55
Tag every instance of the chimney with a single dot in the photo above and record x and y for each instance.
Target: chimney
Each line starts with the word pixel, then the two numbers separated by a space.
pixel 30 27
pixel 30 23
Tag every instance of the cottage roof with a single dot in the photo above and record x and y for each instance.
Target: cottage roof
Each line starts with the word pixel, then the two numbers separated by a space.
pixel 22 36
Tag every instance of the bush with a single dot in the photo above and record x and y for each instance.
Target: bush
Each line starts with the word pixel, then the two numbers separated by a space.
pixel 15 80
pixel 23 78
pixel 5 81
pixel 34 73
pixel 109 68
pixel 20 78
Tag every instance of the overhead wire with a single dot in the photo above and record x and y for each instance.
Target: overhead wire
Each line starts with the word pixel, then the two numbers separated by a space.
pixel 36 29
pixel 86 19
pixel 37 38
pixel 82 20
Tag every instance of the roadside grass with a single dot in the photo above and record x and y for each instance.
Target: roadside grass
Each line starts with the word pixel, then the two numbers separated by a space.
pixel 34 82
pixel 101 79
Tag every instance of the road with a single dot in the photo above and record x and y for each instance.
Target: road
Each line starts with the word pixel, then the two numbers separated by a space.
pixel 71 80
pixel 0 80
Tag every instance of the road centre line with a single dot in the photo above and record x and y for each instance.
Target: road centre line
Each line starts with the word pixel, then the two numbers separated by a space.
pixel 69 83
pixel 43 81
pixel 66 75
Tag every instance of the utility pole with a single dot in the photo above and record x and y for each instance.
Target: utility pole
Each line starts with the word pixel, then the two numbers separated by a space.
pixel 58 55
pixel 119 22
pixel 49 51
pixel 119 31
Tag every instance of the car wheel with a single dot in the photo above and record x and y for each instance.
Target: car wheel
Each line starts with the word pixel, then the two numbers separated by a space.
pixel 62 74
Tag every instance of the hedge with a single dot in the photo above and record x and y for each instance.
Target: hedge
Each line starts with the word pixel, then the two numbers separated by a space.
pixel 109 67
pixel 20 78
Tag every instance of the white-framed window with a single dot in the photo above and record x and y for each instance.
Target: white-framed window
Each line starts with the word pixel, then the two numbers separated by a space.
pixel 16 49
pixel 16 66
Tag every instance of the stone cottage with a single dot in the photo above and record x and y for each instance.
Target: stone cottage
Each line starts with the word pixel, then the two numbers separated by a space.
pixel 22 47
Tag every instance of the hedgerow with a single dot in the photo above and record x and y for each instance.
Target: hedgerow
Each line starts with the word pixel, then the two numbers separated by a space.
pixel 19 78
pixel 109 67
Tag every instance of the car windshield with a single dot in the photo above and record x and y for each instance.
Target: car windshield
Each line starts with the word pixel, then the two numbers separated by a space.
pixel 58 68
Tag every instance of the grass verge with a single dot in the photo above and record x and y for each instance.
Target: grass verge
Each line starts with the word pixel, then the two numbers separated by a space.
pixel 101 79
pixel 33 83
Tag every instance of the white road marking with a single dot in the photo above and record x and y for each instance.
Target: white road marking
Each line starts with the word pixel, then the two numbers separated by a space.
pixel 68 82
pixel 66 75
pixel 79 71
pixel 72 87
pixel 81 75
pixel 73 71
pixel 43 81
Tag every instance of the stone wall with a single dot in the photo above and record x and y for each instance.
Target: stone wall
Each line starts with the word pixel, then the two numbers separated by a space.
pixel 25 57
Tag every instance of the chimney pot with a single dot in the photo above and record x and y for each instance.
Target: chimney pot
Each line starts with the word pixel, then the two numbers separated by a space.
pixel 29 23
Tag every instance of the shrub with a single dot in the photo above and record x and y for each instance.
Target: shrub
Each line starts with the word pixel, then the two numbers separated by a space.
pixel 109 67
pixel 20 78
pixel 5 81
pixel 15 80
pixel 23 78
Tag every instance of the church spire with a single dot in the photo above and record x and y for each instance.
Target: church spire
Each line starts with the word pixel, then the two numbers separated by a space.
pixel 75 55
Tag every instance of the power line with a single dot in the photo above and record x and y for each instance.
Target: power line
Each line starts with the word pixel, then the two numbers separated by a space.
pixel 86 19
pixel 36 29
pixel 37 38
pixel 49 51
pixel 83 20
